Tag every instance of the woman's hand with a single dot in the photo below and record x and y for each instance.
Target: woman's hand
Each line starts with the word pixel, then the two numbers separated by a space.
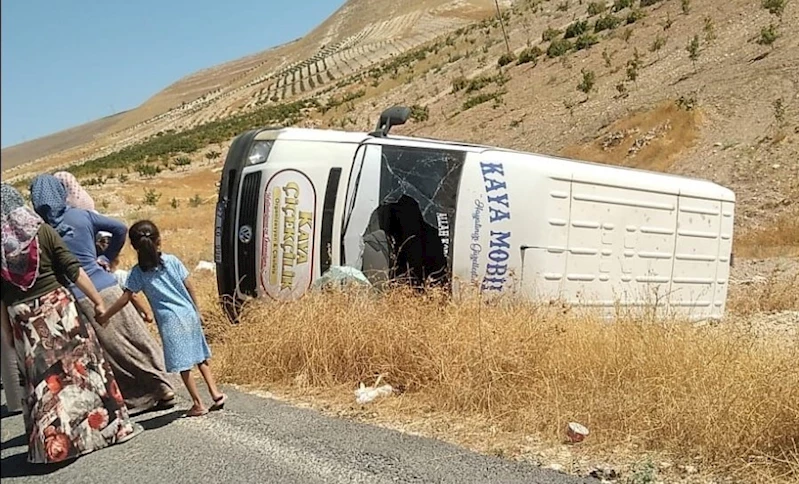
pixel 99 314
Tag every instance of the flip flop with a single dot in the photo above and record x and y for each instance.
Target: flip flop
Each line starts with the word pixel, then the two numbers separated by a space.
pixel 219 403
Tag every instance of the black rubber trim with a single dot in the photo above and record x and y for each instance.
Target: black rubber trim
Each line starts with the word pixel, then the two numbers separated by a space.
pixel 328 211
pixel 248 215
pixel 226 204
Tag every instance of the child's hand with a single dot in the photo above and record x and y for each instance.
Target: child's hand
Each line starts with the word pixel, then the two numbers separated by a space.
pixel 101 318
pixel 147 318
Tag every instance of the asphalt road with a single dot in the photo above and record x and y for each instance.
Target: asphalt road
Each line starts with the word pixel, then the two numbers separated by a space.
pixel 259 440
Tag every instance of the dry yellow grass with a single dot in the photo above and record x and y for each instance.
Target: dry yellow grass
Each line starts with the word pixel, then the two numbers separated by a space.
pixel 717 394
pixel 779 238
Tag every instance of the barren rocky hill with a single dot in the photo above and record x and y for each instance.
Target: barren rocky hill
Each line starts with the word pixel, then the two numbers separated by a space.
pixel 361 33
pixel 707 88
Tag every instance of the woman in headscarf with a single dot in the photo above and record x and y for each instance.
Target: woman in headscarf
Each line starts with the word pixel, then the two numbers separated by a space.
pixel 71 402
pixel 133 353
pixel 77 197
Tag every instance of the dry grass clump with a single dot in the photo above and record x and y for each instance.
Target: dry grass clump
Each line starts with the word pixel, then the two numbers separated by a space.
pixel 776 293
pixel 713 393
pixel 779 238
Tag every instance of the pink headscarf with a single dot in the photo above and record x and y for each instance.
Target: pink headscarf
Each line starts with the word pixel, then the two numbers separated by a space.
pixel 77 197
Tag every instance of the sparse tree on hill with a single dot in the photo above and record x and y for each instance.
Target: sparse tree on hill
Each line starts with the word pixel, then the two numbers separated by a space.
pixel 693 50
pixel 768 35
pixel 775 7
pixel 633 65
pixel 658 44
pixel 586 85
pixel 686 6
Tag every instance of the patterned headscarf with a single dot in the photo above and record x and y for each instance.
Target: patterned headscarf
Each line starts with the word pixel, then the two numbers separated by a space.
pixel 49 199
pixel 20 261
pixel 77 197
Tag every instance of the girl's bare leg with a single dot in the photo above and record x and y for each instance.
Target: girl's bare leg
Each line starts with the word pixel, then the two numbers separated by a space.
pixel 205 370
pixel 197 407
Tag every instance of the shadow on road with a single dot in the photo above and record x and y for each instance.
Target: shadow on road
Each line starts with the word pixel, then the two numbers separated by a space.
pixel 17 441
pixel 17 465
pixel 161 420
pixel 4 412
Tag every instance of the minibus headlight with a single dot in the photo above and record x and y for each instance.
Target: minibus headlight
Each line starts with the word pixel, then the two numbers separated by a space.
pixel 260 151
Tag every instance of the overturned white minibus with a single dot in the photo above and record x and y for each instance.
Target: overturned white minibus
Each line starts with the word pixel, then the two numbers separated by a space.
pixel 295 202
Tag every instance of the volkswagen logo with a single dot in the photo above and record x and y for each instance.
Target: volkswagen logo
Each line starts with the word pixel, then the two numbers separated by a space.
pixel 245 234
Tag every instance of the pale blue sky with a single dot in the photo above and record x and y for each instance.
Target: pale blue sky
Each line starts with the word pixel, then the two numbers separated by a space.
pixel 67 63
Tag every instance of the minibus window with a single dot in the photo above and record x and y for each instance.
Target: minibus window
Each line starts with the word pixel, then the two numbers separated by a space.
pixel 412 213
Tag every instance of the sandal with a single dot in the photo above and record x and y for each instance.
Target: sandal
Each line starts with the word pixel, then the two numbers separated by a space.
pixel 164 404
pixel 194 412
pixel 219 403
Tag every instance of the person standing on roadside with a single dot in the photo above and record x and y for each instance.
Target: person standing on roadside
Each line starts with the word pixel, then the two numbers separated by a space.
pixel 71 403
pixel 132 351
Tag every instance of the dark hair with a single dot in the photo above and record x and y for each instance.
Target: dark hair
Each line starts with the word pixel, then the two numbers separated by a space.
pixel 146 239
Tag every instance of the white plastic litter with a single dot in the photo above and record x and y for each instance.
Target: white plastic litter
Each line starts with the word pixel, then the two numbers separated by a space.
pixel 342 275
pixel 204 265
pixel 576 432
pixel 366 394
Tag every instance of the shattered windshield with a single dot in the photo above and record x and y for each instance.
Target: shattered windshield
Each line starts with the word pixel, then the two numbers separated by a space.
pixel 430 177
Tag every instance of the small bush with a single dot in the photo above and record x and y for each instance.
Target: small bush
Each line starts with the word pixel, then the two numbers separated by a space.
pixel 636 15
pixel 212 155
pixel 649 3
pixel 657 44
pixel 633 66
pixel 596 8
pixel 586 85
pixel 459 84
pixel 685 5
pixel 687 103
pixel 505 59
pixel 550 34
pixel 619 5
pixel 478 83
pixel 195 201
pixel 607 57
pixel 779 112
pixel 710 30
pixel 182 161
pixel 147 171
pixel 122 178
pixel 768 35
pixel 575 29
pixel 627 34
pixel 607 22
pixel 693 49
pixel 775 7
pixel 151 197
pixel 530 54
pixel 559 48
pixel 174 203
pixel 483 98
pixel 420 113
pixel 585 41
pixel 563 6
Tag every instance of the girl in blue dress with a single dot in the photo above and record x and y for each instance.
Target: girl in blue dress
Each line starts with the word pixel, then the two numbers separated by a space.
pixel 165 281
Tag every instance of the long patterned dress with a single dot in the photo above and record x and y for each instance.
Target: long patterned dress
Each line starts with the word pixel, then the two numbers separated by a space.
pixel 73 405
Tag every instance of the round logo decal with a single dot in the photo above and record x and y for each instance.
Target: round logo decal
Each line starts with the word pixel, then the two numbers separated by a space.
pixel 245 234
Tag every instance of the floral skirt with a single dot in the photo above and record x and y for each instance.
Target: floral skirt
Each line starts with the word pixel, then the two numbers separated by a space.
pixel 72 403
pixel 133 354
